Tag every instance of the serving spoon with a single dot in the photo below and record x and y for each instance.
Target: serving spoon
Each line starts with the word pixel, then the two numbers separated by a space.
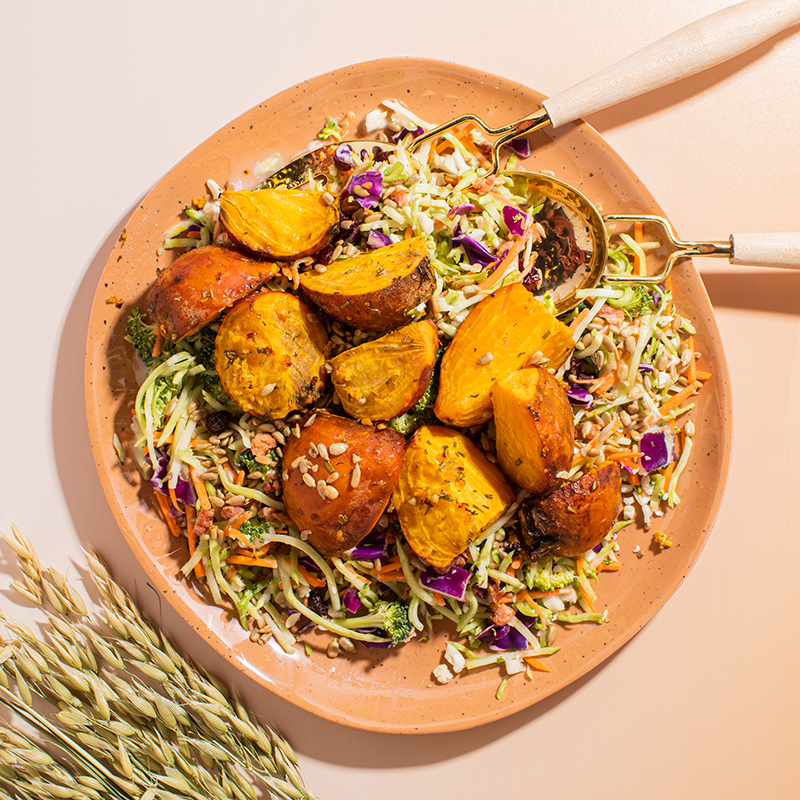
pixel 698 46
pixel 776 250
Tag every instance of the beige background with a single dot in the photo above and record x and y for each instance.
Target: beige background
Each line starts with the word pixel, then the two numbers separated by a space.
pixel 100 99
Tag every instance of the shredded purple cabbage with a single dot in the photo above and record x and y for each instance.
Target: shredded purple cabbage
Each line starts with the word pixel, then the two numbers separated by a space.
pixel 519 146
pixel 371 547
pixel 376 239
pixel 658 449
pixel 373 182
pixel 184 490
pixel 476 253
pixel 452 583
pixel 406 132
pixel 515 220
pixel 350 600
pixel 343 157
pixel 579 396
pixel 504 637
pixel 461 210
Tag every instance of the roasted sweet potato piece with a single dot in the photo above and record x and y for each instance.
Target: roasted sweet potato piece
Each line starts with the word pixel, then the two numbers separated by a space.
pixel 383 378
pixel 575 517
pixel 270 354
pixel 338 478
pixel 535 428
pixel 279 223
pixel 447 494
pixel 498 337
pixel 200 284
pixel 374 291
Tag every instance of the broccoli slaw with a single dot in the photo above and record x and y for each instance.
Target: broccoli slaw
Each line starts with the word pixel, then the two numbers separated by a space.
pixel 630 378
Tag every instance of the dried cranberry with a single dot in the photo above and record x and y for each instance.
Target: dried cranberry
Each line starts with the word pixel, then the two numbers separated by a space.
pixel 217 421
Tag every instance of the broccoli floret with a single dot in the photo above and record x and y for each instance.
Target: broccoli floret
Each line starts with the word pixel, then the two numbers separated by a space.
pixel 255 529
pixel 142 337
pixel 204 343
pixel 635 301
pixel 390 616
pixel 421 413
pixel 542 578
pixel 247 461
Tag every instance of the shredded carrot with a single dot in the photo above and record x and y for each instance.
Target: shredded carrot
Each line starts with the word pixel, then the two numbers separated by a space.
pixel 252 562
pixel 171 490
pixel 171 524
pixel 200 488
pixel 536 595
pixel 670 468
pixel 252 552
pixel 602 385
pixel 702 375
pixel 391 576
pixel 311 578
pixel 240 477
pixel 193 235
pixel 392 565
pixel 673 402
pixel 607 566
pixel 232 529
pixel 536 664
pixel 345 123
pixel 191 536
pixel 158 344
pixel 438 598
pixel 623 455
pixel 578 321
pixel 231 571
pixel 487 284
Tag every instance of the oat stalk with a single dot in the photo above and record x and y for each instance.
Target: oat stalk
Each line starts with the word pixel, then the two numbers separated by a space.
pixel 137 719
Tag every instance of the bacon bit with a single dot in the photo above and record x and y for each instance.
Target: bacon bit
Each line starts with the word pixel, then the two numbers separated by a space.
pixel 262 443
pixel 204 521
pixel 614 316
pixel 399 195
pixel 502 614
pixel 484 185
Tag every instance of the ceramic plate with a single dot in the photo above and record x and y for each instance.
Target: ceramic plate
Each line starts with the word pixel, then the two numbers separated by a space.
pixel 378 689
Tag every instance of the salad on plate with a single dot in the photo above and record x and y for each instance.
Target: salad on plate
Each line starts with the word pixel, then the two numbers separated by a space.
pixel 362 413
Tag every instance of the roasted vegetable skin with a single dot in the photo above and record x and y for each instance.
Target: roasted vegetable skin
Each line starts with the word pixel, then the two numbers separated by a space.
pixel 374 291
pixel 499 336
pixel 448 493
pixel 270 354
pixel 575 517
pixel 198 285
pixel 534 429
pixel 281 224
pixel 357 482
pixel 383 378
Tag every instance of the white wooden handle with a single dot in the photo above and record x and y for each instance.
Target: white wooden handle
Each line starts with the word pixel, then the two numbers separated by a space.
pixel 766 250
pixel 691 49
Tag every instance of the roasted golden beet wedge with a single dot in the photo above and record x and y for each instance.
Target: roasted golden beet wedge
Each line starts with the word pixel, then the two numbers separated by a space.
pixel 575 517
pixel 383 378
pixel 198 285
pixel 376 290
pixel 535 429
pixel 338 478
pixel 270 354
pixel 499 336
pixel 279 223
pixel 448 493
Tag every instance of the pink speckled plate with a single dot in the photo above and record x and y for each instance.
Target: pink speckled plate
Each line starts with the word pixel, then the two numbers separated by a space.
pixel 378 689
